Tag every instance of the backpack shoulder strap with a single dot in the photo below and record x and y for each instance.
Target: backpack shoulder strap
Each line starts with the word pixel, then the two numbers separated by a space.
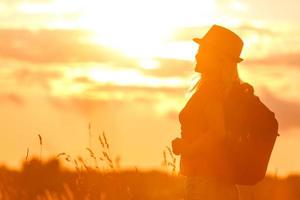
pixel 240 89
pixel 247 88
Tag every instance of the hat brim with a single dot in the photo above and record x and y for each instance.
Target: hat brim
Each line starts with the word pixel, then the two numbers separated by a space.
pixel 200 41
pixel 197 40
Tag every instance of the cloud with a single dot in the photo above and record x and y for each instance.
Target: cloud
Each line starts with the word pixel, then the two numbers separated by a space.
pixel 173 115
pixel 56 46
pixel 173 91
pixel 188 33
pixel 81 105
pixel 113 96
pixel 250 28
pixel 16 2
pixel 83 80
pixel 41 77
pixel 287 112
pixel 88 107
pixel 12 98
pixel 292 60
pixel 170 67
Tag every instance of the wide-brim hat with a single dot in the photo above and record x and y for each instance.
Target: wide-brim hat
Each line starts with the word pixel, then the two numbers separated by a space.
pixel 223 40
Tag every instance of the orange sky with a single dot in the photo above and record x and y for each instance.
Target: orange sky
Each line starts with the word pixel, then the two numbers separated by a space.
pixel 126 66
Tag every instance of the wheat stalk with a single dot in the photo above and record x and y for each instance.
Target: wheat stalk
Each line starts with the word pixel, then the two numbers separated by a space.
pixel 105 150
pixel 27 154
pixel 105 140
pixel 164 163
pixel 102 143
pixel 90 135
pixel 171 163
pixel 92 155
pixel 41 145
pixel 83 163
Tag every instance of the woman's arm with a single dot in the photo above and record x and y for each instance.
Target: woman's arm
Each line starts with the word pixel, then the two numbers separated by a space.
pixel 212 139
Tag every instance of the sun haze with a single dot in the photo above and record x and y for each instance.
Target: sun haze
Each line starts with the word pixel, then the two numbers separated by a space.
pixel 125 67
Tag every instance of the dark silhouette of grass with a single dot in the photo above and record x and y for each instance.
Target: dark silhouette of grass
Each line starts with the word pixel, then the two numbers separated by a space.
pixel 49 180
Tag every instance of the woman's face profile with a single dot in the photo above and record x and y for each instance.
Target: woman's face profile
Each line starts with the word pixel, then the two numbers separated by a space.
pixel 206 60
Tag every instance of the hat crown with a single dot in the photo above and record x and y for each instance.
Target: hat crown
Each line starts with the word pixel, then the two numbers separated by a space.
pixel 224 40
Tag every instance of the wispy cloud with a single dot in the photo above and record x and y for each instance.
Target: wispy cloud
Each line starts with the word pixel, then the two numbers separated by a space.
pixel 56 46
pixel 12 98
pixel 131 89
pixel 286 111
pixel 288 60
pixel 27 77
pixel 187 33
pixel 170 67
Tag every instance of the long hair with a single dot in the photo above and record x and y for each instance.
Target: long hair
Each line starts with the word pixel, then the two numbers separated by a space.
pixel 227 74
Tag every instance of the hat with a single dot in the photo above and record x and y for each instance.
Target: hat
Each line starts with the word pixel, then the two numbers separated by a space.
pixel 224 40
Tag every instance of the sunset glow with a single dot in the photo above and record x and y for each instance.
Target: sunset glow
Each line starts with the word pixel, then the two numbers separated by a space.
pixel 125 66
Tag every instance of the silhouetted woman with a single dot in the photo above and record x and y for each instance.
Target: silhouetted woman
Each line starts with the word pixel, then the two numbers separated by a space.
pixel 201 146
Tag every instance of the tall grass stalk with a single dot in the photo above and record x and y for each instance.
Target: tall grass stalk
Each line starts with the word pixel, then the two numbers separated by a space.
pixel 90 135
pixel 41 145
pixel 27 154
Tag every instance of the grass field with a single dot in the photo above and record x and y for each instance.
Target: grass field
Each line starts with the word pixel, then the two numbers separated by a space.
pixel 49 180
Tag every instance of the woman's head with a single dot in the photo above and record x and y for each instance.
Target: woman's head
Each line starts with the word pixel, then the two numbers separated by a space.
pixel 208 60
pixel 218 71
pixel 215 65
pixel 218 56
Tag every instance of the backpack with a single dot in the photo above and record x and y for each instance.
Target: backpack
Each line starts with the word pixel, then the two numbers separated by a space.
pixel 252 130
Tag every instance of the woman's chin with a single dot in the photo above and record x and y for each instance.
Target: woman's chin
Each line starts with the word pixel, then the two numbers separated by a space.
pixel 198 69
